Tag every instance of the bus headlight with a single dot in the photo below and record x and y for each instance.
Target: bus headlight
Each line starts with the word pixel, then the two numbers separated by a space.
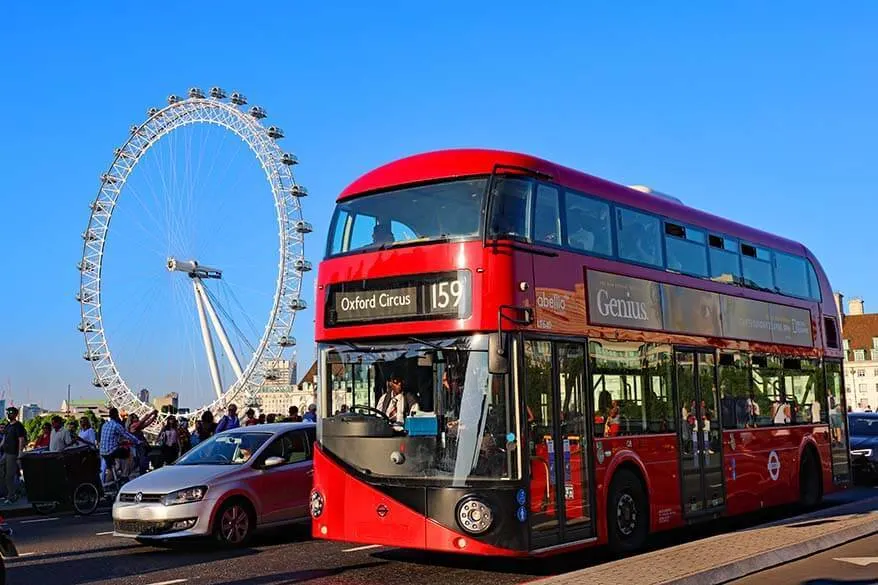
pixel 316 504
pixel 863 452
pixel 474 516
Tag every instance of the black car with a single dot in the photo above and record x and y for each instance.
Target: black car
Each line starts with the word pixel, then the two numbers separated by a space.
pixel 863 429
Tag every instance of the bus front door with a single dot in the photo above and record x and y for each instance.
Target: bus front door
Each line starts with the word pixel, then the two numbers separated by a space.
pixel 700 444
pixel 559 494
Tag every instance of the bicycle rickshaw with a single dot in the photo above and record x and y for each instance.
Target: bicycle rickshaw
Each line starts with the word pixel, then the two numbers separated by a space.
pixel 69 477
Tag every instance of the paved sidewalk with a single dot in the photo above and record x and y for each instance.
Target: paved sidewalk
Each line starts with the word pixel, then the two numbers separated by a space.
pixel 721 558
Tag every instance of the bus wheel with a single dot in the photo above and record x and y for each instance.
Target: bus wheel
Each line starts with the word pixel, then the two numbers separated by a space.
pixel 627 513
pixel 810 488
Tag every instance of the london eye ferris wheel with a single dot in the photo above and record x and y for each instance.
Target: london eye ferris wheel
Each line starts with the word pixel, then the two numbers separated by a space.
pixel 156 177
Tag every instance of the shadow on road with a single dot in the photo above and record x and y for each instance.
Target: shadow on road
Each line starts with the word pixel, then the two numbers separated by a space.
pixel 299 576
pixel 112 562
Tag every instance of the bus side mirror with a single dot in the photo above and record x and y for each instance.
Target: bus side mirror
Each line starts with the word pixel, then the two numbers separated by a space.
pixel 498 360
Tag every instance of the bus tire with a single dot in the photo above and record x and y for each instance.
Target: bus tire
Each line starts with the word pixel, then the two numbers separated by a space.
pixel 810 479
pixel 627 513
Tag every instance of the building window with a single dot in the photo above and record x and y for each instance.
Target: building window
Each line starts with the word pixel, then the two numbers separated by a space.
pixel 861 373
pixel 875 343
pixel 873 355
pixel 846 344
pixel 859 355
pixel 639 237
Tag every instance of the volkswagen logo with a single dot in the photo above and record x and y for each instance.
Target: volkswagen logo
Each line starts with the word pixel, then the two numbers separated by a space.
pixel 381 510
pixel 138 497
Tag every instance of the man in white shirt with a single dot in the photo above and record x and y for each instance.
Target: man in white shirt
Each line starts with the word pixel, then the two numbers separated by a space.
pixel 393 402
pixel 61 438
pixel 86 432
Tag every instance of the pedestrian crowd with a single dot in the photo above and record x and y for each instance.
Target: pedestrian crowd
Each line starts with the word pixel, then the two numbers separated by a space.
pixel 121 440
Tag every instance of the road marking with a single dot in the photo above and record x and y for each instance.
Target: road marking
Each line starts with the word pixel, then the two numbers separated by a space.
pixel 36 521
pixel 861 561
pixel 171 582
pixel 367 547
pixel 103 533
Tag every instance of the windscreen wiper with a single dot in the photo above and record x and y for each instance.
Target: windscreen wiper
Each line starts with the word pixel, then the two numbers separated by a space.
pixel 427 343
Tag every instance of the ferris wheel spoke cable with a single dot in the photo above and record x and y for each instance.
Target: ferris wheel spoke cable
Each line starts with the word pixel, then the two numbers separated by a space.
pixel 237 329
pixel 234 297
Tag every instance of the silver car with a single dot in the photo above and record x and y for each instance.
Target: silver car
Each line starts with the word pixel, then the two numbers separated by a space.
pixel 225 487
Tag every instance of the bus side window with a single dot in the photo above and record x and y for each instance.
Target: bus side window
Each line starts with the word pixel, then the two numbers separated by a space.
pixel 510 213
pixel 588 224
pixel 547 217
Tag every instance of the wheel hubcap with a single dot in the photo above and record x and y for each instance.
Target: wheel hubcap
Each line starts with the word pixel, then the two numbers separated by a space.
pixel 234 524
pixel 626 515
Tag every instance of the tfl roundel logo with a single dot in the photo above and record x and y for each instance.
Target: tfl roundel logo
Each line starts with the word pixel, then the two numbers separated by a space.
pixel 773 465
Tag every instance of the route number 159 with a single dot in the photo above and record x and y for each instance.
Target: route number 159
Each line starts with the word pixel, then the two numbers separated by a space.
pixel 445 295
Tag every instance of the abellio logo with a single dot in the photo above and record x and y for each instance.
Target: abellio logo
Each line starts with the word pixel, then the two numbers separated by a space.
pixel 626 308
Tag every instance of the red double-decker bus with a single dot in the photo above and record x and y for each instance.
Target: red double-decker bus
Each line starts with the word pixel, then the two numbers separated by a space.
pixel 517 358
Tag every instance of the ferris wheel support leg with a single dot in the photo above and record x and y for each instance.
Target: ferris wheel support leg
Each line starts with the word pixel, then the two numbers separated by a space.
pixel 200 300
pixel 221 334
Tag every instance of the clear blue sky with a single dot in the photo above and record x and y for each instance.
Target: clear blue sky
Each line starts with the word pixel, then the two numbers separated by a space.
pixel 761 112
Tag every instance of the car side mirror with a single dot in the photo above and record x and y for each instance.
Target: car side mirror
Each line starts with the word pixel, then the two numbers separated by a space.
pixel 273 462
pixel 498 360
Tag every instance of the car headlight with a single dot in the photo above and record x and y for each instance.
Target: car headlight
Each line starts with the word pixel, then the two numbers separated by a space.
pixel 474 515
pixel 187 496
pixel 863 452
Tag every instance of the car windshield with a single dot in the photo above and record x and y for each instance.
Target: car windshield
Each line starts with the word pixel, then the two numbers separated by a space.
pixel 458 419
pixel 434 212
pixel 862 426
pixel 225 449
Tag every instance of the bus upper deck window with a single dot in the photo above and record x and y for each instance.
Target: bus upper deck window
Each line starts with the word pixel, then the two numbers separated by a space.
pixel 510 211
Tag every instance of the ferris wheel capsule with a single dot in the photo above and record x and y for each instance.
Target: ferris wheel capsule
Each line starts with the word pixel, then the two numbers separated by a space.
pixel 88 235
pixel 239 99
pixel 275 132
pixel 299 191
pixel 196 93
pixel 289 159
pixel 217 93
pixel 258 112
pixel 287 341
pixel 173 99
pixel 298 304
pixel 302 265
pixel 152 112
pixel 303 227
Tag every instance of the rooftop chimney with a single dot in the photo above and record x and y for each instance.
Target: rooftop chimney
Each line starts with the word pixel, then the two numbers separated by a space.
pixel 855 306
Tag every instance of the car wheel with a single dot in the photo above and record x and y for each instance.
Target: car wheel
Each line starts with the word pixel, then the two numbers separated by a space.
pixel 234 523
pixel 627 513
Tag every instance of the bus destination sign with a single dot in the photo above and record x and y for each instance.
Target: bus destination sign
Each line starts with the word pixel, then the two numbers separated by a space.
pixel 430 296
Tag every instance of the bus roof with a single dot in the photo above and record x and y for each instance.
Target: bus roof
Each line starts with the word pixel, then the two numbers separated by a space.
pixel 448 164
